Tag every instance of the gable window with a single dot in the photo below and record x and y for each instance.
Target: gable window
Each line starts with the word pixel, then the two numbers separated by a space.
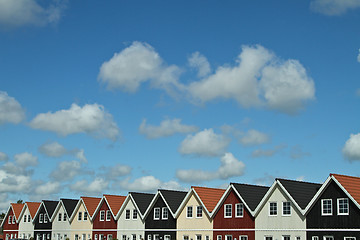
pixel 243 237
pixel 13 219
pixel 199 211
pixel 135 214
pixel 343 206
pixel 45 218
pixel 165 213
pixel 59 217
pixel 156 213
pixel 79 216
pixel 85 216
pixel 127 214
pixel 273 209
pixel 102 215
pixel 108 215
pixel 326 207
pixel 29 218
pixel 239 210
pixel 286 209
pixel 228 211
pixel 10 218
pixel 41 218
pixel 25 216
pixel 189 212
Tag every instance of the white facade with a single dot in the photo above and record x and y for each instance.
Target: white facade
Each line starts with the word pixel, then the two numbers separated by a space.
pixel 26 227
pixel 60 224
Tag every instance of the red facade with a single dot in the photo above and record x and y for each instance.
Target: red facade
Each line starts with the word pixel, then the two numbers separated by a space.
pixel 106 228
pixel 244 222
pixel 10 230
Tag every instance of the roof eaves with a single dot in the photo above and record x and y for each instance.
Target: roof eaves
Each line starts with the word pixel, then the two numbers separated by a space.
pixel 127 199
pixel 264 199
pixel 243 201
pixel 151 204
pixel 202 203
pixel 60 203
pixel 345 191
pixel 290 197
pixel 222 199
pixel 317 195
pixel 7 212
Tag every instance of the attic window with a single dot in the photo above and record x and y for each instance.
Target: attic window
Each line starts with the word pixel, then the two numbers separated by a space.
pixel 13 220
pixel 45 218
pixel 10 217
pixel 156 213
pixel 108 215
pixel 85 216
pixel 286 209
pixel 41 218
pixel 29 218
pixel 102 215
pixel 326 207
pixel 199 211
pixel 239 210
pixel 228 211
pixel 273 209
pixel 135 214
pixel 165 213
pixel 127 214
pixel 343 206
pixel 189 212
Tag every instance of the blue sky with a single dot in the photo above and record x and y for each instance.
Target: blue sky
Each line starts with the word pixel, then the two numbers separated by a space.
pixel 118 96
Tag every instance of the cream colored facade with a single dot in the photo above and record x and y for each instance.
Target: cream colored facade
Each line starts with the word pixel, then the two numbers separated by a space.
pixel 279 225
pixel 26 228
pixel 80 230
pixel 60 228
pixel 184 222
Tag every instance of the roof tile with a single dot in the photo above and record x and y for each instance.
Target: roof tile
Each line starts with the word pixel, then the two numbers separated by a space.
pixel 209 196
pixel 33 207
pixel 17 207
pixel 91 204
pixel 351 184
pixel 115 202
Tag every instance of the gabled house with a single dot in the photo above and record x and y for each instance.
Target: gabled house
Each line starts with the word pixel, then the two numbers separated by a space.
pixel 334 212
pixel 26 225
pixel 160 221
pixel 104 221
pixel 236 210
pixel 10 223
pixel 81 218
pixel 130 218
pixel 60 219
pixel 42 223
pixel 194 216
pixel 281 212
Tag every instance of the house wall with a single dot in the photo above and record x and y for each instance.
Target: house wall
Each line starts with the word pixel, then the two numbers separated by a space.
pixel 286 223
pixel 193 223
pixel 245 222
pixel 26 229
pixel 10 230
pixel 128 227
pixel 42 231
pixel 60 229
pixel 105 227
pixel 314 218
pixel 80 228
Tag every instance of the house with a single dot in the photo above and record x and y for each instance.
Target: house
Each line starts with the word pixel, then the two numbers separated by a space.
pixel 10 223
pixel 60 219
pixel 26 225
pixel 160 221
pixel 41 221
pixel 130 218
pixel 281 212
pixel 236 210
pixel 334 212
pixel 104 221
pixel 81 218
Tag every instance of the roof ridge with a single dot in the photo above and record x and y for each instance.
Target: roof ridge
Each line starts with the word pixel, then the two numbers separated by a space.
pixel 342 175
pixel 248 184
pixel 291 180
pixel 172 190
pixel 208 188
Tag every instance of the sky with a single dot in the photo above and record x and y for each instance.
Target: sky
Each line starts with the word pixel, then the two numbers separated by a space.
pixel 107 97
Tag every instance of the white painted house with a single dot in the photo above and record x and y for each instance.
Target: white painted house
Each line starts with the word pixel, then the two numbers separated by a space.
pixel 60 219
pixel 26 225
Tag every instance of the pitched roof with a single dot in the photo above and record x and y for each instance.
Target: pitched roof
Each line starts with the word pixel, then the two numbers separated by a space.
pixel 301 192
pixel 173 198
pixel 115 202
pixel 142 200
pixel 50 206
pixel 251 194
pixel 91 204
pixel 209 196
pixel 351 185
pixel 33 207
pixel 17 207
pixel 69 205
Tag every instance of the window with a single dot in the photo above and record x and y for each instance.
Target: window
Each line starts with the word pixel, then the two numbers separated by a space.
pixel 123 237
pixel 96 237
pixel 219 237
pixel 297 237
pixel 268 238
pixel 239 210
pixel 135 214
pixel 189 212
pixel 285 237
pixel 207 237
pixel 59 217
pixel 328 238
pixel 133 236
pixel 85 216
pixel 25 216
pixel 108 215
pixel 48 236
pixel 29 218
pixel 315 238
pixel 149 237
pixel 199 211
pixel 156 213
pixel 102 215
pixel 326 207
pixel 13 219
pixel 228 237
pixel 83 237
pixel 228 211
pixel 127 214
pixel 167 237
pixel 343 206
pixel 286 209
pixel 243 237
pixel 349 238
pixel 156 237
pixel 273 209
pixel 198 237
pixel 165 213
pixel 79 216
pixel 185 237
pixel 10 218
pixel 41 218
pixel 109 237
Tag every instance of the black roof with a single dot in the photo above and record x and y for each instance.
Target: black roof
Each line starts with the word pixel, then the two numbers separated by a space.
pixel 301 192
pixel 173 198
pixel 50 206
pixel 69 205
pixel 252 194
pixel 142 200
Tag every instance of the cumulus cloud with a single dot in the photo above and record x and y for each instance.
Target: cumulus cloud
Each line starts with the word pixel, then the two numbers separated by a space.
pixel 97 186
pixel 66 170
pixel 14 182
pixel 351 149
pixel 334 7
pixel 10 109
pixel 29 12
pixel 25 159
pixel 199 62
pixel 119 170
pixel 148 184
pixel 267 152
pixel 90 119
pixel 229 167
pixel 55 149
pixel 3 156
pixel 254 137
pixel 167 128
pixel 48 188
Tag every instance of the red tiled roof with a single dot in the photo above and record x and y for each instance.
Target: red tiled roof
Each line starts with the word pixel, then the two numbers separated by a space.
pixel 91 204
pixel 115 202
pixel 17 207
pixel 351 184
pixel 33 207
pixel 209 196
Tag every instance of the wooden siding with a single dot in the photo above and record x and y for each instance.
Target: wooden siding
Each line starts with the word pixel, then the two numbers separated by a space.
pixel 42 229
pixel 13 227
pixel 106 225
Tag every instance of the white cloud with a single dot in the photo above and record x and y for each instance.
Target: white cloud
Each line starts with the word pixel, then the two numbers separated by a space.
pixel 66 170
pixel 167 128
pixel 149 184
pixel 351 149
pixel 195 176
pixel 254 137
pixel 119 170
pixel 4 202
pixel 268 152
pixel 15 13
pixel 97 186
pixel 55 149
pixel 333 7
pixel 3 156
pixel 136 64
pixel 204 143
pixel 14 182
pixel 200 62
pixel 48 188
pixel 26 159
pixel 358 56
pixel 91 119
pixel 10 109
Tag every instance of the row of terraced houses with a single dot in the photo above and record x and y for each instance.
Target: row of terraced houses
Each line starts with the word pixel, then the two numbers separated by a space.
pixel 287 210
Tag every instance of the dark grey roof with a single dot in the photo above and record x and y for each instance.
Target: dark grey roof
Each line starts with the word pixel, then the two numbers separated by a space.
pixel 301 192
pixel 173 198
pixel 50 206
pixel 69 205
pixel 252 194
pixel 142 200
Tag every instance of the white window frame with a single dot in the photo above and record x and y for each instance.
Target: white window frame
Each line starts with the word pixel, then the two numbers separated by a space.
pixel 157 213
pixel 186 237
pixel 102 216
pixel 284 214
pixel 228 237
pixel 135 214
pixel 124 237
pixel 219 237
pixel 322 209
pixel 198 237
pixel 13 220
pixel 45 218
pixel 127 214
pixel 268 236
pixel 85 217
pixel 270 211
pixel 167 237
pixel 164 213
pixel 286 236
pixel 239 214
pixel 207 237
pixel 315 238
pixel 243 237
pixel 79 216
pixel 10 219
pixel 148 238
pixel 226 212
pixel 41 218
pixel 189 211
pixel 199 211
pixel 338 206
pixel 349 238
pixel 329 237
pixel 108 215
pixel 59 217
pixel 29 218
